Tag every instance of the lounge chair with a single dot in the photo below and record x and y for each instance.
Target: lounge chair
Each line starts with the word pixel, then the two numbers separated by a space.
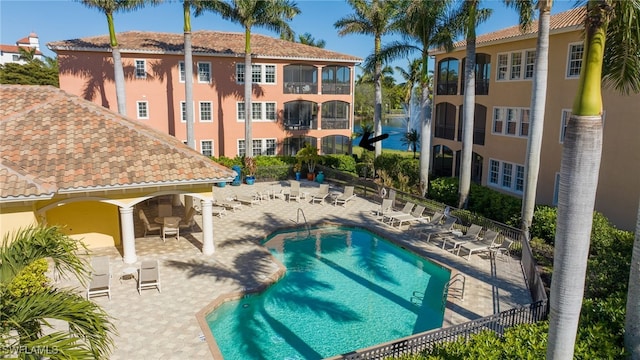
pixel 472 235
pixel 414 216
pixel 503 249
pixel 149 276
pixel 228 204
pixel 148 227
pixel 445 228
pixel 485 244
pixel 408 207
pixel 188 222
pixel 247 199
pixel 171 226
pixel 385 208
pixel 100 283
pixel 322 194
pixel 294 191
pixel 346 196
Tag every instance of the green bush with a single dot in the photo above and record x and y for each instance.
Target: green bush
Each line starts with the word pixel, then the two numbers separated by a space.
pixel 444 190
pixel 543 225
pixel 411 168
pixel 340 162
pixel 30 280
pixel 389 163
pixel 228 162
pixel 493 205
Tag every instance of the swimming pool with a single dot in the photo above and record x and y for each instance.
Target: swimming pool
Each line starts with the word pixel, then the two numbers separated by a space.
pixel 344 289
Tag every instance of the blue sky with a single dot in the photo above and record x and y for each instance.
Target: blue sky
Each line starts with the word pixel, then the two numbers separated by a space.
pixel 56 20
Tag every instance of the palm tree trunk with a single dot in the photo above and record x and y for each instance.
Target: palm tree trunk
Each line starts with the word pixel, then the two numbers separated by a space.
pixel 468 111
pixel 538 103
pixel 118 71
pixel 248 141
pixel 377 110
pixel 188 74
pixel 425 131
pixel 632 320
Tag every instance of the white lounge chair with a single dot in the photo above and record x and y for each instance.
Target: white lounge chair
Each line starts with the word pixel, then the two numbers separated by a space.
pixel 503 249
pixel 485 244
pixel 228 204
pixel 218 211
pixel 445 228
pixel 385 207
pixel 414 216
pixel 294 191
pixel 247 199
pixel 346 196
pixel 149 276
pixel 148 227
pixel 100 283
pixel 322 194
pixel 472 235
pixel 408 207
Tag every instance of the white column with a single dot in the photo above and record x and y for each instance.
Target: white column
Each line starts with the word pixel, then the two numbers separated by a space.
pixel 128 235
pixel 207 227
pixel 175 200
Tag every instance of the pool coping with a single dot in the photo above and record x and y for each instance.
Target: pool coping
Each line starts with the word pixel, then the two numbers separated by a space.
pixel 201 315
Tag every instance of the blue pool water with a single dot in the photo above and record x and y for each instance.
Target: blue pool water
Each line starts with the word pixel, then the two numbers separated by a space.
pixel 344 289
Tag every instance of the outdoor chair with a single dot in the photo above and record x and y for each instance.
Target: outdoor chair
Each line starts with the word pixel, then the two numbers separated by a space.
pixel 321 195
pixel 385 208
pixel 485 244
pixel 503 249
pixel 346 196
pixel 149 276
pixel 171 226
pixel 165 209
pixel 408 207
pixel 472 235
pixel 415 215
pixel 445 228
pixel 148 227
pixel 248 199
pixel 228 204
pixel 218 211
pixel 188 222
pixel 100 283
pixel 294 191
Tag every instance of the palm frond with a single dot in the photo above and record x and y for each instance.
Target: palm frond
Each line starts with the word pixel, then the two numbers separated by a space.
pixel 621 64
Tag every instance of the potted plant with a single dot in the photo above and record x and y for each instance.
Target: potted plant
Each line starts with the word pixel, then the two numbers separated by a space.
pixel 250 170
pixel 296 169
pixel 309 155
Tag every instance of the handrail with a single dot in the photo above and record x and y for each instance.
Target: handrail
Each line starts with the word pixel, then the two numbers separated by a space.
pixel 305 220
pixel 458 292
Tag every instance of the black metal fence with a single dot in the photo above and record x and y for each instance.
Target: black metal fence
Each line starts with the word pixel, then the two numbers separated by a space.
pixel 425 341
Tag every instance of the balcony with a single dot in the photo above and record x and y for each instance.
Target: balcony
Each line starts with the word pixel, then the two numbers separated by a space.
pixel 344 89
pixel 300 88
pixel 334 123
pixel 301 124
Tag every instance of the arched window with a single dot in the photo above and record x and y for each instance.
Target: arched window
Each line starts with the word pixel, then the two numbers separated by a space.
pixel 483 74
pixel 291 145
pixel 442 161
pixel 476 166
pixel 445 121
pixel 300 114
pixel 479 123
pixel 448 76
pixel 335 144
pixel 300 79
pixel 336 80
pixel 335 115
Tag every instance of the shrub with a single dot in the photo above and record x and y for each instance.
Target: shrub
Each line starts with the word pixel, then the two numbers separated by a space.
pixel 444 190
pixel 341 162
pixel 228 162
pixel 492 204
pixel 30 280
pixel 410 168
pixel 543 225
pixel 389 163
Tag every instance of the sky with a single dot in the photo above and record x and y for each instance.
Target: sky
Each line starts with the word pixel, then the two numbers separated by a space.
pixel 55 20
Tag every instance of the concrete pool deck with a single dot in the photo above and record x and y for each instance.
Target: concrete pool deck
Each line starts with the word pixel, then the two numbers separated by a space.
pixel 163 325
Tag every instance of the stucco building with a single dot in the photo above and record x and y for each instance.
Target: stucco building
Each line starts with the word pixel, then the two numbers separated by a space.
pixel 11 53
pixel 300 93
pixel 504 71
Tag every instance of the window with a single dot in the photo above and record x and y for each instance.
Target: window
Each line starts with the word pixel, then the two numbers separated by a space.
pixel 206 147
pixel 529 64
pixel 506 175
pixel 143 109
pixel 335 115
pixel 482 74
pixel 336 80
pixel 511 121
pixel 575 60
pixel 503 69
pixel 300 115
pixel 206 111
pixel 301 79
pixel 183 111
pixel 15 57
pixel 204 72
pixel 448 76
pixel 479 123
pixel 517 65
pixel 260 147
pixel 260 111
pixel 181 70
pixel 445 121
pixel 260 73
pixel 566 114
pixel 141 69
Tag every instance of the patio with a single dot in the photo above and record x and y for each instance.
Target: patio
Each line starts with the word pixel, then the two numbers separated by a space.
pixel 163 325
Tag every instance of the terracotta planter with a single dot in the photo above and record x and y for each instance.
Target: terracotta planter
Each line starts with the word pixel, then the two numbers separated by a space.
pixel 311 176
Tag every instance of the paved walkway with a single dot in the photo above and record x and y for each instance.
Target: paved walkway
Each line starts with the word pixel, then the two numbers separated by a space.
pixel 162 325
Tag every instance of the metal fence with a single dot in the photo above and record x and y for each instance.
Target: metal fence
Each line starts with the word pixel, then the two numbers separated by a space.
pixel 426 341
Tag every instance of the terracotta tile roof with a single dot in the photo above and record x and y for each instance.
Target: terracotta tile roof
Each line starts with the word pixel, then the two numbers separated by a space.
pixel 56 142
pixel 13 49
pixel 573 18
pixel 204 42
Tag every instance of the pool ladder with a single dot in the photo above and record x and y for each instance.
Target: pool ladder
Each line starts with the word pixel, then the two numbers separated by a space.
pixel 456 292
pixel 306 224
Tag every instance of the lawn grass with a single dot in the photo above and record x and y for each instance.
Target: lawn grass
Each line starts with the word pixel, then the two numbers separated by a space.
pixel 358 151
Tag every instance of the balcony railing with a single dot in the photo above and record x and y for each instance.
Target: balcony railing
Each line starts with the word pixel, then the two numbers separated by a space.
pixel 300 88
pixel 336 89
pixel 301 125
pixel 332 123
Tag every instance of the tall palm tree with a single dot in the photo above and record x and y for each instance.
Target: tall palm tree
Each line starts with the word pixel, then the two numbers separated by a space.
pixel 632 319
pixel 426 23
pixel 308 39
pixel 538 103
pixel 411 139
pixel 26 310
pixel 612 39
pixel 411 78
pixel 188 68
pixel 371 17
pixel 108 8
pixel 270 14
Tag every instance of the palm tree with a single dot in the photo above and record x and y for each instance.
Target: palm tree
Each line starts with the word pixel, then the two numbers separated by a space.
pixel 411 139
pixel 29 302
pixel 427 23
pixel 27 54
pixel 371 18
pixel 538 103
pixel 188 67
pixel 271 14
pixel 308 39
pixel 109 7
pixel 411 78
pixel 616 24
pixel 632 320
